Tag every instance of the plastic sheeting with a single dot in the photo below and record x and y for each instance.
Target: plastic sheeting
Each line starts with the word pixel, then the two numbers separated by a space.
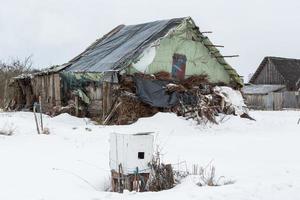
pixel 117 50
pixel 153 92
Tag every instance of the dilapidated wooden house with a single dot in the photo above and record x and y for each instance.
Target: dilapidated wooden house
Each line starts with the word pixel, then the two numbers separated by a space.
pixel 278 71
pixel 175 46
pixel 274 85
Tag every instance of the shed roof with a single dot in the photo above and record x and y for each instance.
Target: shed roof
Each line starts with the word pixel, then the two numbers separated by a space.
pixel 289 68
pixel 118 48
pixel 261 89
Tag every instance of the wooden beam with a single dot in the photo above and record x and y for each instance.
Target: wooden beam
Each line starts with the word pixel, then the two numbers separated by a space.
pixel 212 45
pixel 204 32
pixel 231 56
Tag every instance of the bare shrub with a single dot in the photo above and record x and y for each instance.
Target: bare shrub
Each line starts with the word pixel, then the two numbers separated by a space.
pixel 161 176
pixel 207 176
pixel 9 70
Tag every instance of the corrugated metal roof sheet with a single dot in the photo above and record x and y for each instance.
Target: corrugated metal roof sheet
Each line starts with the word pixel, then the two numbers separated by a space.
pixel 261 89
pixel 117 49
pixel 120 46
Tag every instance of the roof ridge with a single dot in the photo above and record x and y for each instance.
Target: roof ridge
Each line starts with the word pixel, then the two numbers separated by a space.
pixel 282 58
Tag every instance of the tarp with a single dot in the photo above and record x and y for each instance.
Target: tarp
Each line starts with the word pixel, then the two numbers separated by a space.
pixel 121 47
pixel 154 93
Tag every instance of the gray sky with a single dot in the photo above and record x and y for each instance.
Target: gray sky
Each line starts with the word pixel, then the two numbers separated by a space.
pixel 54 31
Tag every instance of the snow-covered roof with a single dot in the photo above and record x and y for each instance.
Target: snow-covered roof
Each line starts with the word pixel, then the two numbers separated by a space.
pixel 261 89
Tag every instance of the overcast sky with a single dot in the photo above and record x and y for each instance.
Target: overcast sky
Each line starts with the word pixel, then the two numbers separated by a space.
pixel 54 31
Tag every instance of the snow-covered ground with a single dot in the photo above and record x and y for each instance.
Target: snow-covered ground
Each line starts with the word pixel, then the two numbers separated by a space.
pixel 72 162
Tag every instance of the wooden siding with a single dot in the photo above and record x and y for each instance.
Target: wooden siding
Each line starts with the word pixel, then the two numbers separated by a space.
pixel 269 75
pixel 48 87
pixel 274 101
pixel 94 92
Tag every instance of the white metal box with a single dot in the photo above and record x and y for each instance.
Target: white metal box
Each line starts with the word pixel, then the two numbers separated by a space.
pixel 132 151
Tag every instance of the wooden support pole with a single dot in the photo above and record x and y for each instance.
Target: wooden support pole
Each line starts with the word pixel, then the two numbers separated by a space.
pixel 105 94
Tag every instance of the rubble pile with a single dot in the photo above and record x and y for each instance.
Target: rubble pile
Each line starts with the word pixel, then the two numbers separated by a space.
pixel 197 99
pixel 131 109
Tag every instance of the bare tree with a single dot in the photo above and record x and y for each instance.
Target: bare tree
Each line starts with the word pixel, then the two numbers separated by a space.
pixel 9 70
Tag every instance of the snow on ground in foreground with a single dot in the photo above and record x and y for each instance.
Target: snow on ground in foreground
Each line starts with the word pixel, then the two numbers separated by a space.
pixel 72 162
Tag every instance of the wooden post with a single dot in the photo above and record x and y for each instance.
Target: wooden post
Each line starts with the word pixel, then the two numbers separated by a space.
pixel 137 180
pixel 120 176
pixel 41 113
pixel 76 106
pixel 104 100
pixel 35 118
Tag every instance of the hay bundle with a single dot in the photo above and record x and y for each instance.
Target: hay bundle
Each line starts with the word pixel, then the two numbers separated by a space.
pixel 195 80
pixel 127 84
pixel 131 109
pixel 161 176
pixel 163 75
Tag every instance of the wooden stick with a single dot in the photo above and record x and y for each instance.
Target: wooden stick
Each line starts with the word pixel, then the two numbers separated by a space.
pixel 36 121
pixel 231 56
pixel 213 45
pixel 111 113
pixel 137 180
pixel 206 32
pixel 41 113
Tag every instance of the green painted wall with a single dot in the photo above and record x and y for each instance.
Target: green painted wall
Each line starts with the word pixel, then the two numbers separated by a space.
pixel 199 60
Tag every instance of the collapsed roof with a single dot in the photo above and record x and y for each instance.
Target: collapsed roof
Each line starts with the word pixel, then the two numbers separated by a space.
pixel 124 44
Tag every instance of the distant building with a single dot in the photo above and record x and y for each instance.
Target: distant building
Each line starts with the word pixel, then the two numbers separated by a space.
pixel 275 85
pixel 278 71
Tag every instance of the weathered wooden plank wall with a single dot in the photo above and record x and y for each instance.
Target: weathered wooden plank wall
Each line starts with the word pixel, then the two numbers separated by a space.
pixel 94 92
pixel 274 101
pixel 48 87
pixel 269 75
